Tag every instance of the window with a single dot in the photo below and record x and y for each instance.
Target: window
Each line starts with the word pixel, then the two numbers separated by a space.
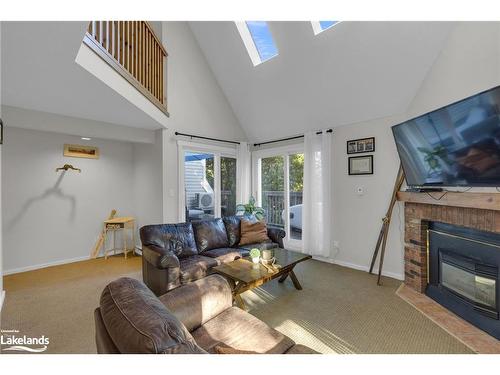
pixel 228 185
pixel 258 40
pixel 208 181
pixel 320 26
pixel 278 186
pixel 199 185
pixel 296 183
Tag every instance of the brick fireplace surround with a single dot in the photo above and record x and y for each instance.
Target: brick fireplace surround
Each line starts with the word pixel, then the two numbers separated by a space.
pixel 479 211
pixel 417 215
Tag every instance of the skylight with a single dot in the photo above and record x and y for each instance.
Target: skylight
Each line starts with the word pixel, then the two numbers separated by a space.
pixel 258 40
pixel 320 26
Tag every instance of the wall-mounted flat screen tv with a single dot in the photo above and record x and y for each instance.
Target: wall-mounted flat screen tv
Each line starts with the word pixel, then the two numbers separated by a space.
pixel 457 145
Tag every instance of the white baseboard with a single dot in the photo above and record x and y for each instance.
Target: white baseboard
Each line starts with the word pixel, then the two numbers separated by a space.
pixel 55 263
pixel 2 298
pixel 397 276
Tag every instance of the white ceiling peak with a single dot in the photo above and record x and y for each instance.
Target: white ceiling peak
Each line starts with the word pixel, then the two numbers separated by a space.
pixel 353 72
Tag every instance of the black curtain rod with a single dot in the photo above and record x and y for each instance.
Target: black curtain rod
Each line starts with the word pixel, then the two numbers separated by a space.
pixel 289 138
pixel 208 138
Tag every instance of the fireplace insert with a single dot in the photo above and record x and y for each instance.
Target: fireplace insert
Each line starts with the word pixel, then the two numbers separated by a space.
pixel 463 274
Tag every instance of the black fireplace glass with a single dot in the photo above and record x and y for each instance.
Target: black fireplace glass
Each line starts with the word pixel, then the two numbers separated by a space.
pixel 463 270
pixel 467 284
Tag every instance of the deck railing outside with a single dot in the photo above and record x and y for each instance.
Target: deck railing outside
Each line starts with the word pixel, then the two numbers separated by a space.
pixel 133 49
pixel 273 203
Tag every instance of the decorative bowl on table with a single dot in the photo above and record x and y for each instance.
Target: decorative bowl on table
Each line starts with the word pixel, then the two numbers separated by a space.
pixel 255 255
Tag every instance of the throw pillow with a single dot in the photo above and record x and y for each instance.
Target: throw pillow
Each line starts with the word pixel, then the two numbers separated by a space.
pixel 253 232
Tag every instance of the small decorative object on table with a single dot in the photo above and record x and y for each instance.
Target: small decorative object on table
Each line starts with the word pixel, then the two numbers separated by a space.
pixel 255 255
pixel 268 257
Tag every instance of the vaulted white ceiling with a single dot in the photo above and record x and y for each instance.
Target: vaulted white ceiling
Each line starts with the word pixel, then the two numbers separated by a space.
pixel 353 72
pixel 39 73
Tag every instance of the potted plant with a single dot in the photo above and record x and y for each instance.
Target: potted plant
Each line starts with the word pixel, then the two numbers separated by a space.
pixel 250 209
pixel 255 255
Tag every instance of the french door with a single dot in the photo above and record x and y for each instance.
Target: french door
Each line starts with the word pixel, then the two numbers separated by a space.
pixel 278 177
pixel 207 181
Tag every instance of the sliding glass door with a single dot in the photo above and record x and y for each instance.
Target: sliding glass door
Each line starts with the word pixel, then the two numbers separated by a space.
pixel 207 182
pixel 278 184
pixel 228 185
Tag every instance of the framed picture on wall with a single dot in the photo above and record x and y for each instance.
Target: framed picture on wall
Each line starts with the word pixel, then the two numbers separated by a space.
pixel 360 165
pixel 358 146
pixel 80 151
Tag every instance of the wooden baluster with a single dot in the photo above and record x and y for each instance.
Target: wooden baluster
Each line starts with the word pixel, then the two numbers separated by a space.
pixel 147 59
pixel 135 49
pixel 129 42
pixel 139 47
pixel 161 77
pixel 148 62
pixel 154 67
pixel 127 54
pixel 119 42
pixel 122 43
pixel 157 82
pixel 113 39
pixel 144 54
pixel 100 33
pixel 143 57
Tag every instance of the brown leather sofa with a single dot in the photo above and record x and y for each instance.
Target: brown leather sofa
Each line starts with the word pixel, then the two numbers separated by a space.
pixel 176 254
pixel 196 318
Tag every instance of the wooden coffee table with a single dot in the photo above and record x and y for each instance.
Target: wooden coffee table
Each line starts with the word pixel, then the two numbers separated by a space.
pixel 245 275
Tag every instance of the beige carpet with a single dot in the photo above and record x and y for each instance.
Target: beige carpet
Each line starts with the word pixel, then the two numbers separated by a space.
pixel 339 311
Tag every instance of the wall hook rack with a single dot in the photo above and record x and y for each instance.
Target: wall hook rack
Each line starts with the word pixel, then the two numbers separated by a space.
pixel 66 167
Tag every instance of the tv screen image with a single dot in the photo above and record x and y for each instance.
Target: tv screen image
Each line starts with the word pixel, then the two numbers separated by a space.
pixel 457 145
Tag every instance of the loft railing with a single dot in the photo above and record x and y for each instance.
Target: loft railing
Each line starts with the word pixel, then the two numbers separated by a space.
pixel 134 51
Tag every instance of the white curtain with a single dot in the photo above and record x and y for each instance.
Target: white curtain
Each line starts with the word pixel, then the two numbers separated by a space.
pixel 243 173
pixel 317 200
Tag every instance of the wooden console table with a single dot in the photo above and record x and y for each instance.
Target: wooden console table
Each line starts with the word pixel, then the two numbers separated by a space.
pixel 119 224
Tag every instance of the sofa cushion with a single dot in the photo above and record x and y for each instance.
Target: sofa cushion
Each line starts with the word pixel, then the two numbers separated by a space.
pixel 301 349
pixel 226 254
pixel 224 349
pixel 233 228
pixel 137 322
pixel 261 246
pixel 253 232
pixel 210 234
pixel 178 238
pixel 196 303
pixel 195 267
pixel 240 330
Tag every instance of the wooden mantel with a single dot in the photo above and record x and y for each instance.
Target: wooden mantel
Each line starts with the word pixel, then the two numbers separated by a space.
pixel 486 201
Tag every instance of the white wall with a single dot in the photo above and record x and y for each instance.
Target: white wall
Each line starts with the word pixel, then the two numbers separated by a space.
pixel 357 219
pixel 148 183
pixel 1 240
pixel 468 64
pixel 196 102
pixel 54 217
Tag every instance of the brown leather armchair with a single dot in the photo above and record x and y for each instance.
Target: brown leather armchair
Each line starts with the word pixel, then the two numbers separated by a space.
pixel 195 319
pixel 176 254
